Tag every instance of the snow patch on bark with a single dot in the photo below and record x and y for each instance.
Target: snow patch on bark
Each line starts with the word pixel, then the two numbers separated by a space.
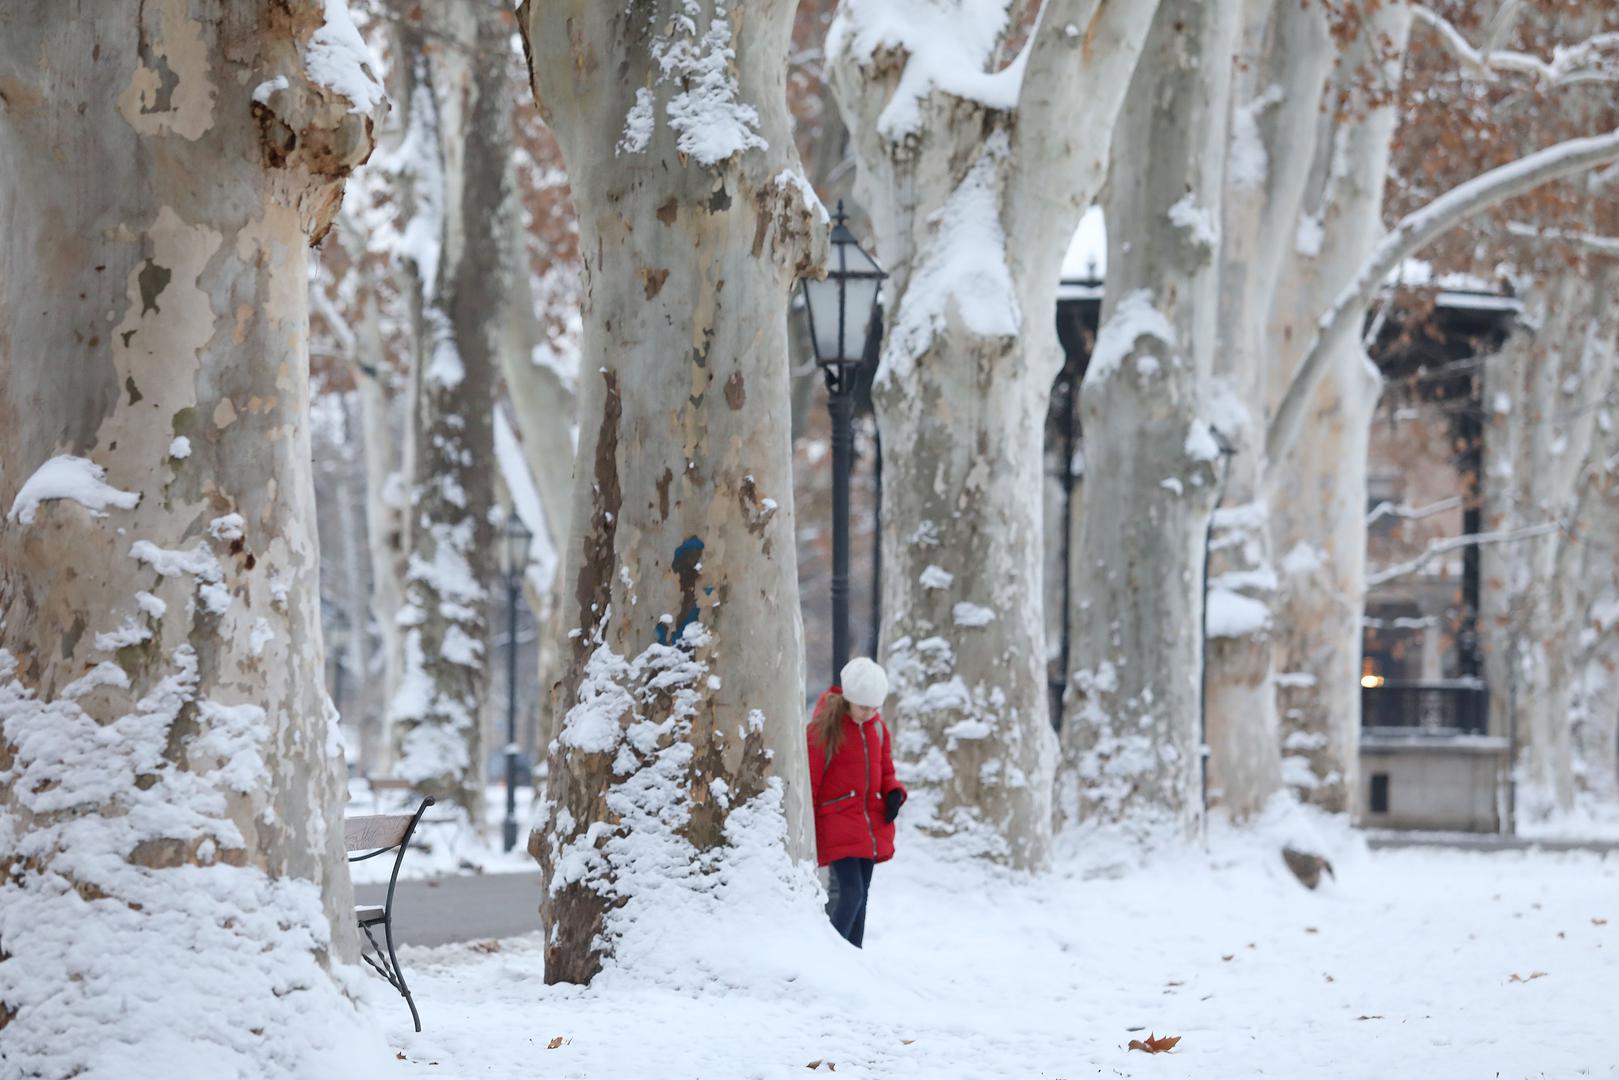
pixel 338 58
pixel 1230 614
pixel 963 270
pixel 710 122
pixel 1248 164
pixel 1198 221
pixel 66 477
pixel 947 47
pixel 1135 318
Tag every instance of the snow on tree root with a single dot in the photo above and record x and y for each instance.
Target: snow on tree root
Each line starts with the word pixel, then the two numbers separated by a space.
pixel 687 852
pixel 143 943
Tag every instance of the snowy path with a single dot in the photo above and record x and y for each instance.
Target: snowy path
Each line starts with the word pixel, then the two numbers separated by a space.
pixel 1402 969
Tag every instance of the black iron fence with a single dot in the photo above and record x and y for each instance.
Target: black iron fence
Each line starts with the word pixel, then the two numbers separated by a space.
pixel 1455 706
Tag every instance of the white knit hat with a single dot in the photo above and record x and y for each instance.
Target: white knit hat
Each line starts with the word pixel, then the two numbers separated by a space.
pixel 864 682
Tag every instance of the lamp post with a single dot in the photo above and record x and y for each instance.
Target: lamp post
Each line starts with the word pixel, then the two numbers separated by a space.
pixel 1227 450
pixel 515 552
pixel 840 309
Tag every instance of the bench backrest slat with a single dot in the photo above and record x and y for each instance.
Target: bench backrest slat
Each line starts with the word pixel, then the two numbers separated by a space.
pixel 389 783
pixel 374 831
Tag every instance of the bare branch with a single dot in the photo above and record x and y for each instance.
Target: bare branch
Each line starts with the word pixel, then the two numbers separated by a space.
pixel 1602 245
pixel 1589 61
pixel 1407 513
pixel 1452 543
pixel 1414 232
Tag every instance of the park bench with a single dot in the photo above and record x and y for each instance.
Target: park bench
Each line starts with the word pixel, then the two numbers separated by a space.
pixel 377 834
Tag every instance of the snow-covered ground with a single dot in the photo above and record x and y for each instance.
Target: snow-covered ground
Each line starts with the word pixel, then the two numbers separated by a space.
pixel 1415 963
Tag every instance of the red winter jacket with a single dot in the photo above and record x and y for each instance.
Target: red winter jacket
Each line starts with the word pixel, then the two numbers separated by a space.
pixel 848 792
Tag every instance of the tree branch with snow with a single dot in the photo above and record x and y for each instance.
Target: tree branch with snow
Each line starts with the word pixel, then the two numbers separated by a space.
pixel 1454 543
pixel 1414 232
pixel 1595 59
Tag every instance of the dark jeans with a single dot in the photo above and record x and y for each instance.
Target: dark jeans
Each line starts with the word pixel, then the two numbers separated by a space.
pixel 851 881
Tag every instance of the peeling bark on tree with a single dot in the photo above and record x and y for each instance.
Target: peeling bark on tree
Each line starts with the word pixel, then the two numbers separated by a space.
pixel 1131 740
pixel 973 203
pixel 170 767
pixel 683 687
pixel 461 113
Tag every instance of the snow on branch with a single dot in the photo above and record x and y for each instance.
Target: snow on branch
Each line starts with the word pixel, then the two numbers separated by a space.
pixel 1452 543
pixel 947 48
pixel 1602 245
pixel 1407 513
pixel 1413 233
pixel 1595 59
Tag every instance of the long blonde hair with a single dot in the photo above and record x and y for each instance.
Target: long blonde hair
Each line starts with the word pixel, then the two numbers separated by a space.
pixel 827 723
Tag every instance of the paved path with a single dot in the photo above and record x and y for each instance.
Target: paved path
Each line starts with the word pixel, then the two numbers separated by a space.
pixel 1394 838
pixel 467 908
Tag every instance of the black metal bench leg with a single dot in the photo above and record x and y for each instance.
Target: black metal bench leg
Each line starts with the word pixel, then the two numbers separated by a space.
pixel 399 973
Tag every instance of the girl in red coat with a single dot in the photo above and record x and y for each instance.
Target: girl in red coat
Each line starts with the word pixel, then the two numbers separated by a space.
pixel 853 786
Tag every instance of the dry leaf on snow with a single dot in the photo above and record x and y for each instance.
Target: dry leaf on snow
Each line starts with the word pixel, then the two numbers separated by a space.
pixel 554 1043
pixel 1155 1045
pixel 1598 922
pixel 1533 975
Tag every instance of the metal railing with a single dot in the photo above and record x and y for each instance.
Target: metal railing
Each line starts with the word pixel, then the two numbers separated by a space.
pixel 1450 707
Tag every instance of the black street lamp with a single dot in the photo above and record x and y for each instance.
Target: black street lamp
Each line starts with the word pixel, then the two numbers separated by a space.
pixel 514 561
pixel 840 309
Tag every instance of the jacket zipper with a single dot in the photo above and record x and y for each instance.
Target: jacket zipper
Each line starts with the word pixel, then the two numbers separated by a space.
pixel 865 804
pixel 840 798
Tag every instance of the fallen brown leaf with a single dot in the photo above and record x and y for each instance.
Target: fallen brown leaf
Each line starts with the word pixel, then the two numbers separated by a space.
pixel 1174 982
pixel 1155 1045
pixel 1330 978
pixel 907 1042
pixel 1376 1016
pixel 400 1055
pixel 1228 956
pixel 554 1043
pixel 1533 975
pixel 490 946
pixel 1598 922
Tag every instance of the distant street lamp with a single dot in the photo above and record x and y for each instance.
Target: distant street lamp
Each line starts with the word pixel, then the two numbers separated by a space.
pixel 514 561
pixel 840 309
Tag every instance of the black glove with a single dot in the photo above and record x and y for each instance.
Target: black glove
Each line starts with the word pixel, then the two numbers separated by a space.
pixel 891 804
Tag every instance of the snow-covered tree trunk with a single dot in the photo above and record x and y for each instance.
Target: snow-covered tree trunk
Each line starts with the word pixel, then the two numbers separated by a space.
pixel 975 180
pixel 1549 394
pixel 170 766
pixel 1316 486
pixel 678 774
pixel 460 124
pixel 1131 738
pixel 1276 95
